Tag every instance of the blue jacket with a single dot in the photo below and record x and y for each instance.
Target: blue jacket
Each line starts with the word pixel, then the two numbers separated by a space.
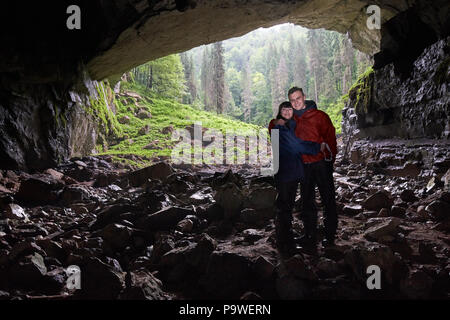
pixel 291 148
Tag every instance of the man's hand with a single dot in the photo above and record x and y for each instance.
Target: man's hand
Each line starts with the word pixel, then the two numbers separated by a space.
pixel 280 122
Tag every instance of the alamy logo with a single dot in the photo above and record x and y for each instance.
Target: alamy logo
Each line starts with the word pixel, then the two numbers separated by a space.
pixel 374 20
pixel 74 280
pixel 374 281
pixel 74 20
pixel 198 146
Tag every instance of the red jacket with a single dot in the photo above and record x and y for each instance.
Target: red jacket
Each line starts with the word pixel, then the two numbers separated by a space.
pixel 315 125
pixel 271 125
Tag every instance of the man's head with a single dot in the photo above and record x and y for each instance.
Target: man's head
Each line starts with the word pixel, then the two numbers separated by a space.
pixel 285 111
pixel 297 98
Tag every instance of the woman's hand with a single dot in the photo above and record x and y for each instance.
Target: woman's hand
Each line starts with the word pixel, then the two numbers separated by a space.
pixel 322 146
pixel 280 122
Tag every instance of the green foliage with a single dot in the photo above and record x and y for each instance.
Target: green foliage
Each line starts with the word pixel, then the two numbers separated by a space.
pixel 285 56
pixel 108 126
pixel 165 113
pixel 164 76
pixel 334 111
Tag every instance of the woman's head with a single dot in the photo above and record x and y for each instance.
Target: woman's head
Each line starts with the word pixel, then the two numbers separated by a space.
pixel 285 111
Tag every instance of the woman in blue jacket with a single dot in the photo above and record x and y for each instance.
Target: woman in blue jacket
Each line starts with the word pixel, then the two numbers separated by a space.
pixel 289 174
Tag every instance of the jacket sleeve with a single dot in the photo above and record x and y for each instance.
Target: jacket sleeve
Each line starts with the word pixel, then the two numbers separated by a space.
pixel 329 136
pixel 296 145
pixel 271 126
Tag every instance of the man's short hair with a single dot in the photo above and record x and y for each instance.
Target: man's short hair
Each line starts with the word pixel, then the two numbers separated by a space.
pixel 293 89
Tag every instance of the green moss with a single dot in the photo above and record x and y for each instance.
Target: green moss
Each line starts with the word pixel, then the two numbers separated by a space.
pixel 109 127
pixel 165 112
pixel 361 92
pixel 442 75
pixel 59 117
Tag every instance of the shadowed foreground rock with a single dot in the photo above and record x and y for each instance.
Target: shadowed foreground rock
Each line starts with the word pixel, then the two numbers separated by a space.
pixel 201 232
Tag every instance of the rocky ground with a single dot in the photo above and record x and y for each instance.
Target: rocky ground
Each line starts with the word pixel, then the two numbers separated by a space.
pixel 202 232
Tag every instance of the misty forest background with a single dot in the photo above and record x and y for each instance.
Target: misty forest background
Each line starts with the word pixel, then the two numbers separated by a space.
pixel 246 78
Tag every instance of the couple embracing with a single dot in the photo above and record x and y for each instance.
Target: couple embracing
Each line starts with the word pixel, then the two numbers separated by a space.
pixel 307 153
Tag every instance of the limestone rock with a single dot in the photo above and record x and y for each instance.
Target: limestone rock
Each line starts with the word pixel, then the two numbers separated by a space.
pixel 160 170
pixel 40 189
pixel 384 229
pixel 408 195
pixel 228 271
pixel 14 211
pixel 143 114
pixel 124 120
pixel 143 286
pixel 261 198
pixel 358 258
pixel 100 280
pixel 377 201
pixel 164 219
pixel 352 210
pixel 230 198
pixel 438 210
pixel 118 236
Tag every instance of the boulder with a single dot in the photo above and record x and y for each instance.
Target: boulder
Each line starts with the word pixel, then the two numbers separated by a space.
pixel 438 210
pixel 110 214
pixel 417 285
pixel 143 286
pixel 185 225
pixel 384 229
pixel 167 130
pixel 433 184
pixel 16 212
pixel 100 280
pixel 297 267
pixel 230 198
pixel 75 193
pixel 143 114
pixel 117 235
pixel 261 198
pixel 228 271
pixel 40 189
pixel 377 201
pixel 359 257
pixel 160 170
pixel 327 268
pixel 124 120
pixel 144 130
pixel 352 210
pixel 408 195
pixel 446 180
pixel 164 219
pixel 397 211
pixel 263 268
pixel 409 169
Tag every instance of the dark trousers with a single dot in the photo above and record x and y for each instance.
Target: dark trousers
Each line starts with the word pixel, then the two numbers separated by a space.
pixel 285 204
pixel 321 174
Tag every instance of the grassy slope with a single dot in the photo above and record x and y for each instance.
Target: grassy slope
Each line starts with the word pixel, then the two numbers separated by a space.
pixel 165 113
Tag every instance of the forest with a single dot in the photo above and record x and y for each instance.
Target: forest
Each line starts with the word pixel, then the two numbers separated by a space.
pixel 246 78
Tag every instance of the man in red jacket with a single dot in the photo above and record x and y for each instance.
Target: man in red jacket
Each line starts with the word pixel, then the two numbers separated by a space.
pixel 315 125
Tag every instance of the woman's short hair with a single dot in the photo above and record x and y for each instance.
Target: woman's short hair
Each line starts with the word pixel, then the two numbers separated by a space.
pixel 285 104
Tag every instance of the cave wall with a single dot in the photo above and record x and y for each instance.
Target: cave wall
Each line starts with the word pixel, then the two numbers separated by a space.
pixel 42 125
pixel 389 104
pixel 46 69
